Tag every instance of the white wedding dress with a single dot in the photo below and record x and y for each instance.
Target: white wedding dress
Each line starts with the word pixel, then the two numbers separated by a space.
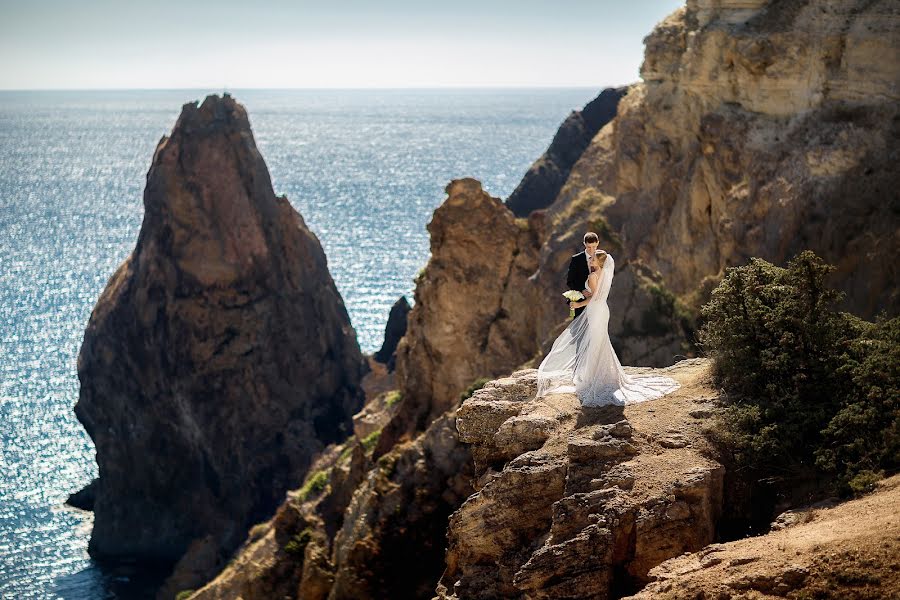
pixel 582 360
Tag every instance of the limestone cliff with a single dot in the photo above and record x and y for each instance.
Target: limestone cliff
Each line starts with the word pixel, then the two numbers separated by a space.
pixel 573 502
pixel 219 359
pixel 761 129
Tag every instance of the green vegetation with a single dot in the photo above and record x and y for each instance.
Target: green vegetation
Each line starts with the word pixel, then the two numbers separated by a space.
pixel 184 594
pixel 393 397
pixel 810 389
pixel 348 449
pixel 474 387
pixel 370 440
pixel 314 485
pixel 297 544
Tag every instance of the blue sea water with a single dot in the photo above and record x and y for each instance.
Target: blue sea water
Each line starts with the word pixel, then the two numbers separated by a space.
pixel 365 168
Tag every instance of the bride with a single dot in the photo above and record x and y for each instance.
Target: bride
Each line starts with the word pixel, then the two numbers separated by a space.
pixel 582 360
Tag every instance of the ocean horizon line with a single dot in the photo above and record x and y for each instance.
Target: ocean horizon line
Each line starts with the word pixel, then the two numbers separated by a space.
pixel 322 88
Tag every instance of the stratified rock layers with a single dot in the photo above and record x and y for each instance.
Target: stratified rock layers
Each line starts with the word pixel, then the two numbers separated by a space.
pixel 761 129
pixel 220 358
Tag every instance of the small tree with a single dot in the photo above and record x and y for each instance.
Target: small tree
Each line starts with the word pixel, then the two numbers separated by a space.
pixel 798 373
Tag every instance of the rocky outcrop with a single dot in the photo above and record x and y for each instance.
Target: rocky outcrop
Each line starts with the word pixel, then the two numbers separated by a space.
pixel 574 502
pixel 466 322
pixel 844 551
pixel 393 333
pixel 219 359
pixel 761 129
pixel 543 180
pixel 370 530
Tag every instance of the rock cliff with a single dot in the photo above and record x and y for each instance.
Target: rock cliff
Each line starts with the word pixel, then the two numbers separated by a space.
pixel 580 503
pixel 367 530
pixel 219 360
pixel 471 298
pixel 761 129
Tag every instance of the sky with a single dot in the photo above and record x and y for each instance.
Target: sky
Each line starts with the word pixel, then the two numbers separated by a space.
pixel 167 44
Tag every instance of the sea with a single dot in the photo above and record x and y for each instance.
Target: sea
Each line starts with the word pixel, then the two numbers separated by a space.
pixel 365 168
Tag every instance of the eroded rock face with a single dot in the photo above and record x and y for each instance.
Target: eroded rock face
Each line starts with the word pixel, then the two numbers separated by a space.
pixel 762 129
pixel 573 502
pixel 219 359
pixel 470 298
pixel 543 180
pixel 377 530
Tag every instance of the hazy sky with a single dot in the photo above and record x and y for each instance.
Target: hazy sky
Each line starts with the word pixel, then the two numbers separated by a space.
pixel 78 44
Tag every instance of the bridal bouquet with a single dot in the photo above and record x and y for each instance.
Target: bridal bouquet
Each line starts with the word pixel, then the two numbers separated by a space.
pixel 573 296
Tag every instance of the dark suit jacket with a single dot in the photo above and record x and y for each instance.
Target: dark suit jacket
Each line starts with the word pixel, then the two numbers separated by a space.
pixel 577 276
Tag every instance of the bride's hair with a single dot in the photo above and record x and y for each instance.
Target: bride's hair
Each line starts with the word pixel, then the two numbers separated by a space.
pixel 600 257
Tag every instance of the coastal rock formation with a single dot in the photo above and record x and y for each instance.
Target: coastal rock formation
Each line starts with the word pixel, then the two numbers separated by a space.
pixel 573 502
pixel 849 550
pixel 393 333
pixel 466 322
pixel 543 180
pixel 219 359
pixel 761 129
pixel 360 532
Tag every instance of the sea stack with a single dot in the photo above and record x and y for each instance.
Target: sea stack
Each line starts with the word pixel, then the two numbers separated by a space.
pixel 220 357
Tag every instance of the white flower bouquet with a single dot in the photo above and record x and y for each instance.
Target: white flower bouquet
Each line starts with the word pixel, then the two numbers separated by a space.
pixel 573 296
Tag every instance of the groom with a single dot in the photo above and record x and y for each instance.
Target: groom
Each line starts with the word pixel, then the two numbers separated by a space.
pixel 579 268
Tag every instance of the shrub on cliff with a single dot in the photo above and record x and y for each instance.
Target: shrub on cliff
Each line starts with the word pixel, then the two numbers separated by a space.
pixel 809 388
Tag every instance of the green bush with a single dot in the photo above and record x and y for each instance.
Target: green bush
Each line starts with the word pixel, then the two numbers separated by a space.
pixel 864 433
pixel 370 440
pixel 314 485
pixel 809 388
pixel 393 397
pixel 347 451
pixel 297 544
pixel 184 594
pixel 474 387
